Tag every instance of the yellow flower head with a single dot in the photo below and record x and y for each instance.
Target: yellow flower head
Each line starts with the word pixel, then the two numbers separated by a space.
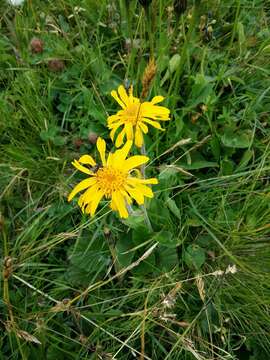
pixel 135 116
pixel 112 180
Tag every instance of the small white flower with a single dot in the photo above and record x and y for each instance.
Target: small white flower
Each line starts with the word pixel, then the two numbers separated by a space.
pixel 231 269
pixel 15 2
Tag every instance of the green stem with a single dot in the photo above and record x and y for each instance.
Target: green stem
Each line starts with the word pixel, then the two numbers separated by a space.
pixel 145 215
pixel 146 218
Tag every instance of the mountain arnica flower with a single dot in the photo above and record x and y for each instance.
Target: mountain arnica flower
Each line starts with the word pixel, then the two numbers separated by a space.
pixel 116 179
pixel 135 116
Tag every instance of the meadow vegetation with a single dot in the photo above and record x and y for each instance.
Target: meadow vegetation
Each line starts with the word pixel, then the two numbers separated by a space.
pixel 195 284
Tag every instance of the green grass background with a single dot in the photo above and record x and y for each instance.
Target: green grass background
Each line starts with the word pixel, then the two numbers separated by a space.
pixel 82 288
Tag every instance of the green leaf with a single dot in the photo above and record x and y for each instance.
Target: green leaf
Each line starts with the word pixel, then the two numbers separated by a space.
pixel 147 266
pixel 241 37
pixel 241 139
pixel 201 90
pixel 140 235
pixel 167 258
pixel 200 164
pixel 59 140
pixel 166 238
pixel 167 173
pixel 194 257
pixel 122 248
pixel 88 258
pixel 159 215
pixel 173 207
pixel 173 64
pixel 215 147
pixel 193 222
pixel 48 134
pixel 227 167
pixel 135 221
pixel 247 156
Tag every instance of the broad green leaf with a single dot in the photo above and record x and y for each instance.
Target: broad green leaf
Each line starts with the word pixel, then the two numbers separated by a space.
pixel 166 238
pixel 173 207
pixel 201 90
pixel 167 258
pixel 241 37
pixel 48 134
pixel 193 222
pixel 141 234
pixel 147 266
pixel 173 64
pixel 215 147
pixel 227 167
pixel 247 156
pixel 199 164
pixel 159 214
pixel 194 257
pixel 59 140
pixel 239 139
pixel 124 256
pixel 135 221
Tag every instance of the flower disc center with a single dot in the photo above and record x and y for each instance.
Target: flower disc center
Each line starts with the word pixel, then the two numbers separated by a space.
pixel 133 113
pixel 110 180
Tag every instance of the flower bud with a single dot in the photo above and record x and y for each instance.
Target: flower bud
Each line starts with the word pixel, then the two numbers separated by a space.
pixel 36 46
pixel 56 65
pixel 78 143
pixel 92 138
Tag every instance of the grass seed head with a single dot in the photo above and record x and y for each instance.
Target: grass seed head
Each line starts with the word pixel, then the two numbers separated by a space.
pixel 148 76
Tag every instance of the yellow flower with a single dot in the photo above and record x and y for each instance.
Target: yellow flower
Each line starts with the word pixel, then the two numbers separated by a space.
pixel 135 116
pixel 112 180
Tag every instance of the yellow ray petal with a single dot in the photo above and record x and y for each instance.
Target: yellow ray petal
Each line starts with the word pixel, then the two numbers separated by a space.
pixel 123 95
pixel 116 97
pixel 94 203
pixel 135 194
pixel 113 205
pixel 83 169
pixel 119 202
pixel 87 159
pixel 145 190
pixel 126 196
pixel 138 137
pixel 135 181
pixel 110 159
pixel 129 131
pixel 155 112
pixel 157 99
pixel 143 127
pixel 101 146
pixel 122 153
pixel 87 197
pixel 80 202
pixel 114 129
pixel 135 161
pixel 113 119
pixel 81 186
pixel 120 138
pixel 155 124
